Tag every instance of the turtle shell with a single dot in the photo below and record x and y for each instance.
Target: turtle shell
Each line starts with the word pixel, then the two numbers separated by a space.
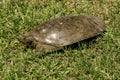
pixel 65 30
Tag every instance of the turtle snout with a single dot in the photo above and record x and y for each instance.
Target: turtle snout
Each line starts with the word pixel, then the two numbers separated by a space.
pixel 21 38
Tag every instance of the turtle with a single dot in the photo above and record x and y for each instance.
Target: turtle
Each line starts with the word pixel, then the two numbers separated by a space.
pixel 56 33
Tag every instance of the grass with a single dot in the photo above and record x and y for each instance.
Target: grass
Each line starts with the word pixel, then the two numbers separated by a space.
pixel 97 59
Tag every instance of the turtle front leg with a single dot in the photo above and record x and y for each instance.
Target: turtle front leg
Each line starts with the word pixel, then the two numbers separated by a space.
pixel 39 50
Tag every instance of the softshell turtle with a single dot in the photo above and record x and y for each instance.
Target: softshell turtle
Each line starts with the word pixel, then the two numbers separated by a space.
pixel 56 33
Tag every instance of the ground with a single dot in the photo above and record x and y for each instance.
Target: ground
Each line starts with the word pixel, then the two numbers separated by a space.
pixel 94 59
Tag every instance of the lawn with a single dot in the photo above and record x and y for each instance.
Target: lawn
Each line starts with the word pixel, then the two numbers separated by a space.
pixel 94 59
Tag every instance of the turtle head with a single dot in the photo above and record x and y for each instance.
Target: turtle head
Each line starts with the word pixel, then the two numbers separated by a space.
pixel 25 38
pixel 99 23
